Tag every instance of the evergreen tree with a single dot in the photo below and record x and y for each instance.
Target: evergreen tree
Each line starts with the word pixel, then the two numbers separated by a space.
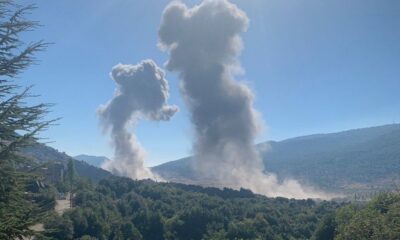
pixel 19 123
pixel 71 172
pixel 71 178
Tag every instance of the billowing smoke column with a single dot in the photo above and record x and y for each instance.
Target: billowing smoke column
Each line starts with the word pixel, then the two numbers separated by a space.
pixel 204 44
pixel 141 93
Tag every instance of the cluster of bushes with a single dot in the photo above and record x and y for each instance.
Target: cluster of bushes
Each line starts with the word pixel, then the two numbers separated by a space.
pixel 378 219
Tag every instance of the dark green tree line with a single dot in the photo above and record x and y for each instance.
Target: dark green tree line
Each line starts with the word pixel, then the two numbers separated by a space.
pixel 121 208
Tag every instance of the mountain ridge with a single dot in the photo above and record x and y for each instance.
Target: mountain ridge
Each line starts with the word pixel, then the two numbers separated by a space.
pixel 360 159
pixel 41 153
pixel 95 161
pixel 363 159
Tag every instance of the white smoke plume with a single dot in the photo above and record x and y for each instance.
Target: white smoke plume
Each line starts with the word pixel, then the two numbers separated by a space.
pixel 204 44
pixel 141 93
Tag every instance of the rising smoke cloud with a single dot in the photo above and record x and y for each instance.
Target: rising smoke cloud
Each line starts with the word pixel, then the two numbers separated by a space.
pixel 141 93
pixel 204 44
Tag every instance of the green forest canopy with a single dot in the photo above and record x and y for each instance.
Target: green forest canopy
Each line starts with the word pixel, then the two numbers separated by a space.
pixel 121 208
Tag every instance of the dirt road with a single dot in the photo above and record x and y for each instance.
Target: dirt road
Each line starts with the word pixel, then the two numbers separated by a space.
pixel 63 205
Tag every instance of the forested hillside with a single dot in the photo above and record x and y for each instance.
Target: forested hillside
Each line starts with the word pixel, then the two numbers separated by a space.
pixel 96 161
pixel 42 154
pixel 362 160
pixel 121 208
pixel 351 161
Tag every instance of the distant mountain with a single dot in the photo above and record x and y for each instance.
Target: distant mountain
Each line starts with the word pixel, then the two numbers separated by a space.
pixel 41 153
pixel 92 160
pixel 365 159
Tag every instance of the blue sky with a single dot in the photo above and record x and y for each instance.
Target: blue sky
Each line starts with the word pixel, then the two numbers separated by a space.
pixel 314 66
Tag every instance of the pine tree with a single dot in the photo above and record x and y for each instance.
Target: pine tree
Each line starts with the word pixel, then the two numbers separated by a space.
pixel 71 179
pixel 19 122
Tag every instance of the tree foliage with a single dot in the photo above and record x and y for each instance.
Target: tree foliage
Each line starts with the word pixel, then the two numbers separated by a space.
pixel 378 219
pixel 19 124
pixel 121 208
